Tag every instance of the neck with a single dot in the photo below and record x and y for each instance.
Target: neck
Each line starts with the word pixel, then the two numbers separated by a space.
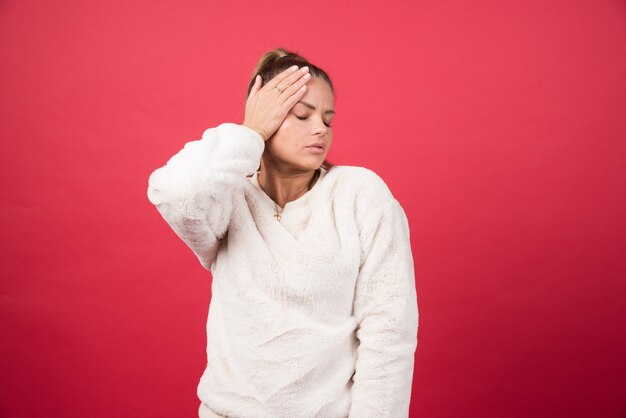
pixel 284 186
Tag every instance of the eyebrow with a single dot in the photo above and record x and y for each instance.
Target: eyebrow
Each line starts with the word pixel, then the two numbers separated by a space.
pixel 310 106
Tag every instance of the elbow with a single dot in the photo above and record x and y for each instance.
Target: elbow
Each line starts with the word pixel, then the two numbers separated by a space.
pixel 391 331
pixel 154 192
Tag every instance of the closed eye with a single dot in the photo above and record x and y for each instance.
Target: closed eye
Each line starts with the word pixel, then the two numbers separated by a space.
pixel 306 117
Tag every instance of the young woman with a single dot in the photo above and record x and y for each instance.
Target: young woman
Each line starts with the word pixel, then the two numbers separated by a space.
pixel 313 310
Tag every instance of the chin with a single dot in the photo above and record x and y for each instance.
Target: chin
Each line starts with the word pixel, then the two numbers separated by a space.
pixel 312 164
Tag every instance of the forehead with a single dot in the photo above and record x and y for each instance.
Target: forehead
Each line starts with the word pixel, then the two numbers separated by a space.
pixel 319 94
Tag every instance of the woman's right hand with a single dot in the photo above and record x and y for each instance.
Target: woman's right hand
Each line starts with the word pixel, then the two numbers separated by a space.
pixel 268 105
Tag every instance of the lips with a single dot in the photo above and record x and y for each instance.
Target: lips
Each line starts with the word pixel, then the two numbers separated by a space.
pixel 319 145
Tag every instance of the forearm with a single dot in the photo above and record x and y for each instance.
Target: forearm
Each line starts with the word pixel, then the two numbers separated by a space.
pixel 194 190
pixel 385 363
pixel 385 307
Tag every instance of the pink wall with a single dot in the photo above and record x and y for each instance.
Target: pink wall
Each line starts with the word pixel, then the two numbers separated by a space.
pixel 498 125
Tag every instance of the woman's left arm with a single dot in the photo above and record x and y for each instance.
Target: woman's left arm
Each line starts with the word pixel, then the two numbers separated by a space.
pixel 385 307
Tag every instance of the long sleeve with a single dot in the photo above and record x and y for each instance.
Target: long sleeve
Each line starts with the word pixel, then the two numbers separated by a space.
pixel 194 190
pixel 385 307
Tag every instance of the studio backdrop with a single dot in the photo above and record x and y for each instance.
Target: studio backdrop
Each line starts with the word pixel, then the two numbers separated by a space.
pixel 499 126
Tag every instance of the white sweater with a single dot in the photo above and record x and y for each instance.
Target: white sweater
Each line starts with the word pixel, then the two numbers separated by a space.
pixel 312 315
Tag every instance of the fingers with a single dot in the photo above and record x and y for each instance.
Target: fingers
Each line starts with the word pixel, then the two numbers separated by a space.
pixel 280 77
pixel 298 88
pixel 293 78
pixel 295 97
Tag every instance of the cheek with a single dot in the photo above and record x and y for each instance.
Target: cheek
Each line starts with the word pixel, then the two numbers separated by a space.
pixel 282 141
pixel 286 130
pixel 290 134
pixel 286 125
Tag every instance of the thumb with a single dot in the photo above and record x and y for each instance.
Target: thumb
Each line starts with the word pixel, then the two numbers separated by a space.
pixel 257 85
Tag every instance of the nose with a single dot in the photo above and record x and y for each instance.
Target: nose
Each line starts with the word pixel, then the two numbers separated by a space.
pixel 320 131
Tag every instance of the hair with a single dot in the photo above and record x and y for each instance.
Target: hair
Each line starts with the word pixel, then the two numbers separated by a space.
pixel 278 60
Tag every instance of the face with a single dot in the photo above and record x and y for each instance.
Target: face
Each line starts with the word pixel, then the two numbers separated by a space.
pixel 305 136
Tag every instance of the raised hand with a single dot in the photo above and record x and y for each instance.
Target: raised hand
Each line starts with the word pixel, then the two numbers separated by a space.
pixel 268 105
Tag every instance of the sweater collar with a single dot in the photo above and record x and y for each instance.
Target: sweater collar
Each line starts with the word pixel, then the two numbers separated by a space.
pixel 294 204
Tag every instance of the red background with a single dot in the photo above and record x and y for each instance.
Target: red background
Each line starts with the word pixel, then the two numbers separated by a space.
pixel 498 125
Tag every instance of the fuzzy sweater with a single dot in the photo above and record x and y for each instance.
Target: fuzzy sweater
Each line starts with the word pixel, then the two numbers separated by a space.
pixel 312 315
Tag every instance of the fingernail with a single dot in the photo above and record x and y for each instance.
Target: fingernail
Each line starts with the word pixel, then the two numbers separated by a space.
pixel 305 69
pixel 293 68
pixel 306 76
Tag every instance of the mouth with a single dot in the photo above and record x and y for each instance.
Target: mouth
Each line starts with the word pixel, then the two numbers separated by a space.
pixel 316 149
pixel 317 145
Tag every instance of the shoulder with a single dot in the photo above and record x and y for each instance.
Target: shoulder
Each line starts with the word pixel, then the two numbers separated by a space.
pixel 365 187
pixel 362 180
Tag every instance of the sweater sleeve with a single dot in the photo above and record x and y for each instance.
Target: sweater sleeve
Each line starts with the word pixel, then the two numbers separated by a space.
pixel 385 307
pixel 194 190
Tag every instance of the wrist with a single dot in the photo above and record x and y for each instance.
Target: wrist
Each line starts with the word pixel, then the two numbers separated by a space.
pixel 258 130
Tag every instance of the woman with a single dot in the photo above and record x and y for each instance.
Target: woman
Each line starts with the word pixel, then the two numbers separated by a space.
pixel 313 310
